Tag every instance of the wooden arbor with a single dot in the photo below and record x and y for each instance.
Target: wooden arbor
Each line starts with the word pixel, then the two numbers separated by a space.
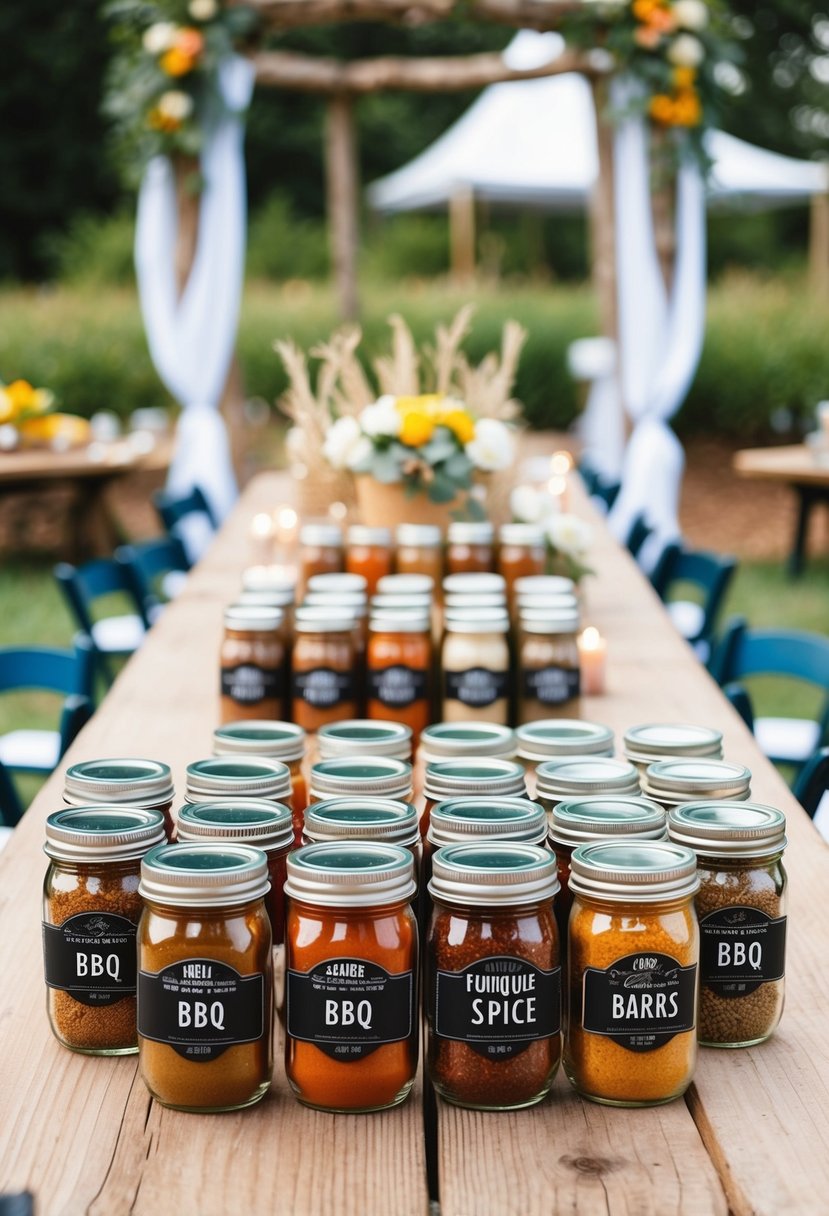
pixel 342 83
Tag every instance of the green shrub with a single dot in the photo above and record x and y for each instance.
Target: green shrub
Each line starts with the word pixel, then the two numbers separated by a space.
pixel 281 246
pixel 94 250
pixel 405 247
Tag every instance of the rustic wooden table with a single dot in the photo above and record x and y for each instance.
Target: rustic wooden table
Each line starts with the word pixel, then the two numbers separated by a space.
pixel 795 466
pixel 751 1136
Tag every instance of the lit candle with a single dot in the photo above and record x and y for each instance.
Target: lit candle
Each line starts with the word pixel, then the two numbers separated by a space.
pixel 285 523
pixel 261 535
pixel 557 488
pixel 593 662
pixel 561 464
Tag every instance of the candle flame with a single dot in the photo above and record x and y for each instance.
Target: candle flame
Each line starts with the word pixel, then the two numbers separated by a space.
pixel 560 464
pixel 591 639
pixel 262 525
pixel 286 519
pixel 557 486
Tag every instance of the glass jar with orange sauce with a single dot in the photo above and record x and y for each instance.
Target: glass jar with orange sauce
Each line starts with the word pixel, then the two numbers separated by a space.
pixel 420 550
pixel 324 675
pixel 399 668
pixel 321 550
pixel 522 551
pixel 471 547
pixel 369 553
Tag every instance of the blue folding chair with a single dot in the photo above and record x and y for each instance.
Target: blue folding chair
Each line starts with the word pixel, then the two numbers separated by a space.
pixel 66 672
pixel 189 517
pixel 157 569
pixel 640 531
pixel 743 653
pixel 812 784
pixel 114 636
pixel 710 575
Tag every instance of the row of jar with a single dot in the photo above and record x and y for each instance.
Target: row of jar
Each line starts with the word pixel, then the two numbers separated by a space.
pixel 470 547
pixel 653 925
pixel 338 655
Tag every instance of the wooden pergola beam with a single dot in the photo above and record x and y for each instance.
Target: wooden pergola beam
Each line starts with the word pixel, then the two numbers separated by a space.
pixel 521 14
pixel 440 74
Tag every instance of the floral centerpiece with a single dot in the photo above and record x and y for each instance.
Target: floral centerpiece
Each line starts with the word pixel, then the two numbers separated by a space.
pixel 428 446
pixel 568 537
pixel 27 419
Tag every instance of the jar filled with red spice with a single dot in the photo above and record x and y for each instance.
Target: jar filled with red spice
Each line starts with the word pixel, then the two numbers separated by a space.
pixel 324 679
pixel 320 551
pixel 493 978
pixel 282 741
pixel 399 665
pixel 420 550
pixel 522 551
pixel 265 825
pixel 369 553
pixel 364 737
pixel 470 547
pixel 351 992
pixel 146 784
pixel 252 657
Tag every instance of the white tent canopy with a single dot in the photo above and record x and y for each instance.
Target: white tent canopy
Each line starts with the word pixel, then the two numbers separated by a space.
pixel 533 144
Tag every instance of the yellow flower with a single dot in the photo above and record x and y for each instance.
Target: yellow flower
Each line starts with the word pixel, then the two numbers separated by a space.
pixel 425 403
pixel 417 428
pixel 177 62
pixel 687 109
pixel 661 109
pixel 460 424
pixel 7 410
pixel 19 399
pixel 684 78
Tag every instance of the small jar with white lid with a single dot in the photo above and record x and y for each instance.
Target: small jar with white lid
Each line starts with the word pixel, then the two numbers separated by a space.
pixel 321 550
pixel 476 666
pixel 583 776
pixel 368 553
pixel 324 676
pixel 352 776
pixel 223 777
pixel 522 551
pixel 388 602
pixel 282 741
pixel 548 662
pixel 406 584
pixel 741 905
pixel 420 550
pixel 253 662
pixel 531 602
pixel 365 737
pixel 470 547
pixel 493 600
pixel 552 738
pixel 475 583
pixel 147 784
pixel 466 739
pixel 672 782
pixel 336 584
pixel 653 742
pixel 543 584
pixel 350 603
pixel 379 820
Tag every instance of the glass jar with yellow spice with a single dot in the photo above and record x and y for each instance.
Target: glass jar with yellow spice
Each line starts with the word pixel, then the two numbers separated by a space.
pixel 91 910
pixel 281 741
pixel 632 973
pixel 205 977
pixel 351 993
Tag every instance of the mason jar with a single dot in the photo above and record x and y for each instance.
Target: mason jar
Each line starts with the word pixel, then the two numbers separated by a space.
pixel 556 738
pixel 145 784
pixel 372 776
pixel 470 547
pixel 672 782
pixel 365 737
pixel 476 667
pixel 471 778
pixel 282 741
pixel 741 905
pixel 466 739
pixel 467 820
pixel 648 744
pixel 237 777
pixel 583 776
pixel 420 550
pixel 377 820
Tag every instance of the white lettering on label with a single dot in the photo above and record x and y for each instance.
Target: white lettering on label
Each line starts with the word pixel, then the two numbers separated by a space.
pixel 519 1012
pixel 198 1014
pixel 735 954
pixel 96 965
pixel 644 1006
pixel 346 1013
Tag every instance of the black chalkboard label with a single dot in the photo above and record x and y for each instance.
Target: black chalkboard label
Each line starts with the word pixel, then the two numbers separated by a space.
pixel 551 685
pixel 323 688
pixel 397 686
pixel 348 1007
pixel 740 949
pixel 248 684
pixel 201 1007
pixel 641 1001
pixel 92 956
pixel 476 687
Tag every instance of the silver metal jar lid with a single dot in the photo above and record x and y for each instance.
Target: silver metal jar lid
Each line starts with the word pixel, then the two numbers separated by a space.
pixel 399 622
pixel 728 829
pixel 575 821
pixel 456 820
pixel 323 536
pixel 336 584
pixel 275 740
pixel 366 737
pixel 484 777
pixel 543 584
pixel 655 741
pixel 279 598
pixel 267 825
pixel 419 536
pixel 446 740
pixel 204 875
pixel 626 871
pixel 360 534
pixel 237 777
pixel 579 775
pixel 493 873
pixel 253 618
pixel 521 534
pixel 474 583
pixel 404 584
pixel 136 782
pixel 351 874
pixel 324 618
pixel 380 776
pixel 551 737
pixel 381 819
pixel 549 621
pixel 693 780
pixel 470 532
pixel 102 833
pixel 462 620
pixel 269 578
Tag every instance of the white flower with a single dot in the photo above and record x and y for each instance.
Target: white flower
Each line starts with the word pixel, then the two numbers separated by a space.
pixel 569 534
pixel 529 505
pixel 381 419
pixel 493 447
pixel 202 10
pixel 691 14
pixel 175 104
pixel 343 436
pixel 360 453
pixel 159 38
pixel 686 51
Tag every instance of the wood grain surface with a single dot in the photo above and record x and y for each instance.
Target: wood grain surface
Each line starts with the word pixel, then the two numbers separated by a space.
pixel 792 463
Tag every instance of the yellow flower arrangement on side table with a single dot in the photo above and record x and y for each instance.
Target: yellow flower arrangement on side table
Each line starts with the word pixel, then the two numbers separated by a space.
pixel 26 419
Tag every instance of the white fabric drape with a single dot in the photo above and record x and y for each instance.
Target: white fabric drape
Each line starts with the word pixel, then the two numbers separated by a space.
pixel 601 424
pixel 660 336
pixel 191 339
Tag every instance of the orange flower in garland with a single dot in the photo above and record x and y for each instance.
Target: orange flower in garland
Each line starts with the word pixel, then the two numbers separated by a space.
pixel 184 54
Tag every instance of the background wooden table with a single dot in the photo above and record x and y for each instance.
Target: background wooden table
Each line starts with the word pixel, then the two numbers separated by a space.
pixel 752 1135
pixel 795 466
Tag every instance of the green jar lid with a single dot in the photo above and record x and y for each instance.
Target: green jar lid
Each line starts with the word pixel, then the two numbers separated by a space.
pixel 379 776
pixel 382 819
pixel 693 780
pixel 655 741
pixel 446 740
pixel 351 874
pixel 267 825
pixel 646 871
pixel 463 819
pixel 575 821
pixel 726 829
pixel 127 780
pixel 488 778
pixel 493 873
pixel 204 875
pixel 580 775
pixel 275 740
pixel 235 777
pixel 554 737
pixel 102 833
pixel 365 737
